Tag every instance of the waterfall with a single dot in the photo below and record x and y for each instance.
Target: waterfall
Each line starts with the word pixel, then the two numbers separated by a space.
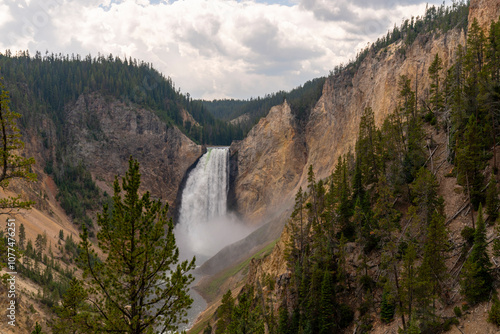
pixel 204 225
pixel 205 194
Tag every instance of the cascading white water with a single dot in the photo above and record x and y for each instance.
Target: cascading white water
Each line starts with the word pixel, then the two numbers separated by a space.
pixel 204 225
pixel 205 194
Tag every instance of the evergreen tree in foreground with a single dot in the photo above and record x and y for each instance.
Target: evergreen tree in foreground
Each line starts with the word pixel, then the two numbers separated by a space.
pixel 12 165
pixel 140 287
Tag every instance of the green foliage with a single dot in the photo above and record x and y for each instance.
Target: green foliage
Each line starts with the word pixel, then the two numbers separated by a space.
pixel 78 193
pixel 38 329
pixel 467 234
pixel 436 20
pixel 471 161
pixel 53 81
pixel 492 200
pixel 476 280
pixel 208 329
pixel 327 304
pixel 284 322
pixel 12 165
pixel 73 312
pixel 368 148
pixel 424 192
pixel 140 285
pixel 457 311
pixel 436 98
pixel 301 100
pixel 494 312
pixel 387 307
pixel 413 328
pixel 363 202
pixel 246 316
pixel 225 312
pixel 22 236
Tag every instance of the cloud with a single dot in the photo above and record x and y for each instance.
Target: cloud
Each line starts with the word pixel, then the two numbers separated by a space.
pixel 210 48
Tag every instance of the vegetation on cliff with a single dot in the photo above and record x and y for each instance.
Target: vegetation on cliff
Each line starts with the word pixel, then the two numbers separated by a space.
pixel 44 87
pixel 382 204
pixel 13 165
pixel 301 100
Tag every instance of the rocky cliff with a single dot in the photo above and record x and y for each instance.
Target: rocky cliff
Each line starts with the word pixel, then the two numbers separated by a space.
pixel 103 133
pixel 100 132
pixel 274 158
pixel 270 161
pixel 484 11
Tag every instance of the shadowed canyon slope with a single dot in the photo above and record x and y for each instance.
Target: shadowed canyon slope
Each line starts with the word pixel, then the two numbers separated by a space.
pixel 102 133
pixel 163 151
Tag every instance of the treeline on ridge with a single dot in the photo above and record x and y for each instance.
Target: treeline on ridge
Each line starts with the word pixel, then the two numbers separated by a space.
pixel 301 99
pixel 48 83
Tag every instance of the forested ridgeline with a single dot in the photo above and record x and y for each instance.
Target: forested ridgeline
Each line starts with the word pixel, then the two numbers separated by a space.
pixel 46 84
pixel 301 99
pixel 372 244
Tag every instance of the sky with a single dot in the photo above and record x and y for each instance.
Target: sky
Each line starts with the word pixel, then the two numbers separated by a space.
pixel 211 49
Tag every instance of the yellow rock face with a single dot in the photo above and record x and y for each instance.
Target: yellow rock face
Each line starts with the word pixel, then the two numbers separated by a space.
pixel 485 11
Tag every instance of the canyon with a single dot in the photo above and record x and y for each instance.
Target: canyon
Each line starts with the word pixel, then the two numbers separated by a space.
pixel 266 168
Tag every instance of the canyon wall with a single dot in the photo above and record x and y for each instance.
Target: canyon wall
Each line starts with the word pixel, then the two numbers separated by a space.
pixel 274 158
pixel 484 11
pixel 103 133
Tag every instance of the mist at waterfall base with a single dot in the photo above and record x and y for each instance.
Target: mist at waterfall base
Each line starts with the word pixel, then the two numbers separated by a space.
pixel 205 226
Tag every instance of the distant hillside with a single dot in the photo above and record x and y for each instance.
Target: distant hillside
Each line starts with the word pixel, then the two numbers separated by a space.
pixel 301 100
pixel 53 81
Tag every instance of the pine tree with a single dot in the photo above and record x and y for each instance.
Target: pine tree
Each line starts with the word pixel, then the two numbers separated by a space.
pixel 424 191
pixel 409 283
pixel 208 329
pixel 284 321
pixel 477 282
pixel 368 147
pixel 225 312
pixel 327 304
pixel 436 99
pixel 384 214
pixel 494 312
pixel 455 101
pixel 342 193
pixel 140 284
pixel 12 165
pixel 38 329
pixel 433 271
pixel 246 319
pixel 22 236
pixel 73 312
pixel 387 306
pixel 492 200
pixel 470 162
pixel 474 62
pixel 414 156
